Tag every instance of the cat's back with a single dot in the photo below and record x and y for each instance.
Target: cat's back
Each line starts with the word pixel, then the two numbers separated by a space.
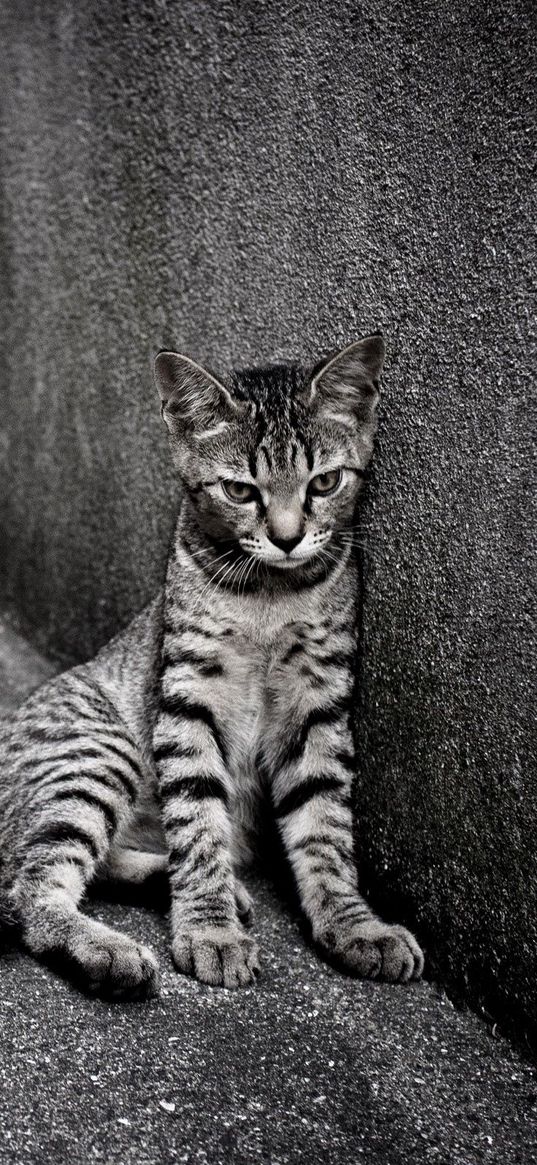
pixel 122 678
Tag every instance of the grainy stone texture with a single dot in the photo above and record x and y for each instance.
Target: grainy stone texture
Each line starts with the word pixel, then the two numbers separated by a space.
pixel 250 182
pixel 307 1066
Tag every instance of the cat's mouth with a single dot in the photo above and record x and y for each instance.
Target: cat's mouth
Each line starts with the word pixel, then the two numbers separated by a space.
pixel 288 563
pixel 291 562
pixel 300 556
pixel 283 561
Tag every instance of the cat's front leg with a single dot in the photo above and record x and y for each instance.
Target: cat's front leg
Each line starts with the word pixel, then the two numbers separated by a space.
pixel 312 801
pixel 208 939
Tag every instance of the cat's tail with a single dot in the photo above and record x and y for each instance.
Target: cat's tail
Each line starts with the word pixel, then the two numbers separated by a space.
pixel 10 923
pixel 10 926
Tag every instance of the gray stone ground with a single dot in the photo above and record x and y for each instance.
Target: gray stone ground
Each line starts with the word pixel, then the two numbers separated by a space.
pixel 307 1066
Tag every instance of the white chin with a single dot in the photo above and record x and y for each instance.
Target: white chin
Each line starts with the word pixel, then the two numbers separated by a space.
pixel 289 563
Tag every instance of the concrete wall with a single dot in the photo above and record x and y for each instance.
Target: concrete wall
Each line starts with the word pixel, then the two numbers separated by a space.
pixel 254 181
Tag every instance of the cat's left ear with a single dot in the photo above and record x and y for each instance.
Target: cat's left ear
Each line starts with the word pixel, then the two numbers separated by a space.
pixel 348 383
pixel 192 400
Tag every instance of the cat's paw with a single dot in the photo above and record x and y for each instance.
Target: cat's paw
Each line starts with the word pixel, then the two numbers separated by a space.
pixel 115 965
pixel 376 950
pixel 220 956
pixel 244 903
pixel 100 959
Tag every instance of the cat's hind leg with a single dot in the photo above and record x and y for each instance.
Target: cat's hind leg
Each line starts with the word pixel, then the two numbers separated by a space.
pixel 77 803
pixel 99 958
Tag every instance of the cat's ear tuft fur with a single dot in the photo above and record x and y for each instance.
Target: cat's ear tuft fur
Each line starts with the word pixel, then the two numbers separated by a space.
pixel 348 383
pixel 191 398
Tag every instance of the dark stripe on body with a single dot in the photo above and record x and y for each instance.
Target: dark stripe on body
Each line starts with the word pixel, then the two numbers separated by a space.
pixel 178 856
pixel 205 665
pixel 179 706
pixel 328 714
pixel 108 780
pixel 296 649
pixel 347 761
pixel 324 866
pixel 341 659
pixel 197 787
pixel 353 909
pixel 91 799
pixel 115 748
pixel 313 787
pixel 170 749
pixel 95 699
pixel 51 858
pixel 64 831
pixel 85 753
pixel 318 849
pixel 320 576
pixel 263 449
pixel 182 628
pixel 41 734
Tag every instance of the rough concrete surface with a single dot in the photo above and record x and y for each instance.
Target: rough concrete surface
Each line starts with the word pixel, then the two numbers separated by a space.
pixel 22 668
pixel 307 1066
pixel 248 182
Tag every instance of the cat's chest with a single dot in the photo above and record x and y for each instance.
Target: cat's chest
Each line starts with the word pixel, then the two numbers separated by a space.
pixel 260 679
pixel 240 702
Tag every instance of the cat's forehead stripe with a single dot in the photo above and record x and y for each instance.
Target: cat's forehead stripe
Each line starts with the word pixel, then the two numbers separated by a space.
pixel 263 451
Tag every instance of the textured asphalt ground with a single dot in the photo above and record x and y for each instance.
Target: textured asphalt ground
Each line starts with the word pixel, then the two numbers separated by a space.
pixel 306 1066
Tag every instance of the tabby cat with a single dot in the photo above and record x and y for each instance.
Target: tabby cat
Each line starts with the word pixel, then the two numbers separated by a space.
pixel 232 690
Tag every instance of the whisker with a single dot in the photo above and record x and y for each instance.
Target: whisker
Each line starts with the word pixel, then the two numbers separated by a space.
pixel 331 557
pixel 249 572
pixel 231 571
pixel 196 553
pixel 217 543
pixel 245 566
pixel 208 586
pixel 323 556
pixel 351 537
pixel 204 566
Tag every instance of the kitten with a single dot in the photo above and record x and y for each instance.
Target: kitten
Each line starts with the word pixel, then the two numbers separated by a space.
pixel 232 688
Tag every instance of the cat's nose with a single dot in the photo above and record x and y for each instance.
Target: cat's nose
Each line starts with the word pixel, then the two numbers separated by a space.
pixel 285 526
pixel 287 544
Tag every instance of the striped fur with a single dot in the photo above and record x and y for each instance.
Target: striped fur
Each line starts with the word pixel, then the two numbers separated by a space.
pixel 229 695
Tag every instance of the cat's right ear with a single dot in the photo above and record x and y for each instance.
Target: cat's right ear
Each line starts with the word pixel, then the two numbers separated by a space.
pixel 348 383
pixel 192 400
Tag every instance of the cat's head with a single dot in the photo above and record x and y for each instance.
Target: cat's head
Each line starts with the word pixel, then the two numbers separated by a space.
pixel 273 460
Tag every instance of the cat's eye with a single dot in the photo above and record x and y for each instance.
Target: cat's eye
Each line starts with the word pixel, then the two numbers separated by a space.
pixel 240 491
pixel 325 483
